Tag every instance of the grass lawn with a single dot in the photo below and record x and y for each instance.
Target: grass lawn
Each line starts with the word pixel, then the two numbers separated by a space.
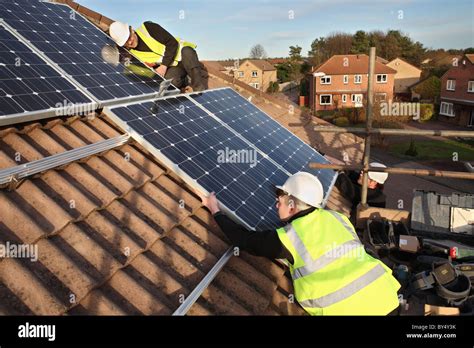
pixel 435 150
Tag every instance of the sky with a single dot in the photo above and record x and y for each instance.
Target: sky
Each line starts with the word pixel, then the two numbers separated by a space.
pixel 225 29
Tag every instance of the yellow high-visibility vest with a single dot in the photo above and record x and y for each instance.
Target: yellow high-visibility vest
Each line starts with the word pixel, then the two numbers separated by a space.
pixel 332 274
pixel 157 48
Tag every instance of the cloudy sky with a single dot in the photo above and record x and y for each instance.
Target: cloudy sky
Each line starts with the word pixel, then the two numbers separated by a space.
pixel 228 29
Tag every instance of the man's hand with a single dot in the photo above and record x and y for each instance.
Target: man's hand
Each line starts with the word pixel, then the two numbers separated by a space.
pixel 161 70
pixel 210 202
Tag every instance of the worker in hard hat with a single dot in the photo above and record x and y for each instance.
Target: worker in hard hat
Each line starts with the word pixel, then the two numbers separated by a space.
pixel 332 274
pixel 169 56
pixel 350 185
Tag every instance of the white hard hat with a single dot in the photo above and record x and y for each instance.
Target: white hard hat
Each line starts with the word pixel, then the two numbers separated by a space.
pixel 379 177
pixel 120 32
pixel 306 187
pixel 110 54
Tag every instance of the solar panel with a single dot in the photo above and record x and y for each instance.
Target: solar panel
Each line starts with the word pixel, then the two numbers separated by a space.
pixel 29 87
pixel 265 133
pixel 75 45
pixel 208 154
pixel 185 137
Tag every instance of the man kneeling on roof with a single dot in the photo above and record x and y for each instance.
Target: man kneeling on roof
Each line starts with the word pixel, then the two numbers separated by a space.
pixel 332 274
pixel 170 57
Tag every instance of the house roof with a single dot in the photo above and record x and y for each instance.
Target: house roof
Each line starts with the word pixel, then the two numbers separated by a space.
pixel 442 58
pixel 470 57
pixel 84 215
pixel 215 65
pixel 422 81
pixel 260 64
pixel 404 61
pixel 351 64
pixel 227 63
pixel 276 61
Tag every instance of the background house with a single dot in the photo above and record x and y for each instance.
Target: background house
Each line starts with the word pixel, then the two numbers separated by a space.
pixel 343 82
pixel 256 73
pixel 426 90
pixel 457 93
pixel 406 76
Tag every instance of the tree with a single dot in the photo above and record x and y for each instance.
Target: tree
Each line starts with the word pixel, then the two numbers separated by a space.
pixel 273 87
pixel 360 42
pixel 295 53
pixel 304 87
pixel 325 47
pixel 392 45
pixel 284 71
pixel 258 52
pixel 317 54
pixel 429 89
pixel 338 43
pixel 376 39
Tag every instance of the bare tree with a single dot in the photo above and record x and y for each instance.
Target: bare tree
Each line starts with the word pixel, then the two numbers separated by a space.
pixel 258 52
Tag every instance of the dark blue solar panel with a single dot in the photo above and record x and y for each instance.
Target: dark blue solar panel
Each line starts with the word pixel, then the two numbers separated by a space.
pixel 76 45
pixel 281 146
pixel 198 144
pixel 28 84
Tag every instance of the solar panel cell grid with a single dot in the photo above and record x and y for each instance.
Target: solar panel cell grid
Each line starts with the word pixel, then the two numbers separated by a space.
pixel 282 146
pixel 197 144
pixel 200 144
pixel 76 45
pixel 27 83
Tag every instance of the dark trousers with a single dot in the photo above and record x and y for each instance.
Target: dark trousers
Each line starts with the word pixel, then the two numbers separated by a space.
pixel 179 73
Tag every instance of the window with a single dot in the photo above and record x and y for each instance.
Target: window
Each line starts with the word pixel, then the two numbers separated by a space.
pixel 470 86
pixel 344 97
pixel 254 73
pixel 356 98
pixel 380 96
pixel 241 74
pixel 451 85
pixel 325 99
pixel 381 78
pixel 357 78
pixel 254 85
pixel 446 109
pixel 326 80
pixel 345 79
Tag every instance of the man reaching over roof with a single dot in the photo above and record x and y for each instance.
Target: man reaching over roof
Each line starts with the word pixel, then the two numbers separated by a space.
pixel 350 185
pixel 170 57
pixel 332 274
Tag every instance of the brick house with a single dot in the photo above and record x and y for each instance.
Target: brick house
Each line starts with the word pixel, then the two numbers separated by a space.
pixel 457 93
pixel 407 75
pixel 256 73
pixel 341 82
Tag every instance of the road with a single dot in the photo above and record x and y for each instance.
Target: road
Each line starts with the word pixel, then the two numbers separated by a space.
pixel 399 188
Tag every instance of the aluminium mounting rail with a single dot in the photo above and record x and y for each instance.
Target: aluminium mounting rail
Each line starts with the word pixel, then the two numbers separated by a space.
pixel 199 289
pixel 30 168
